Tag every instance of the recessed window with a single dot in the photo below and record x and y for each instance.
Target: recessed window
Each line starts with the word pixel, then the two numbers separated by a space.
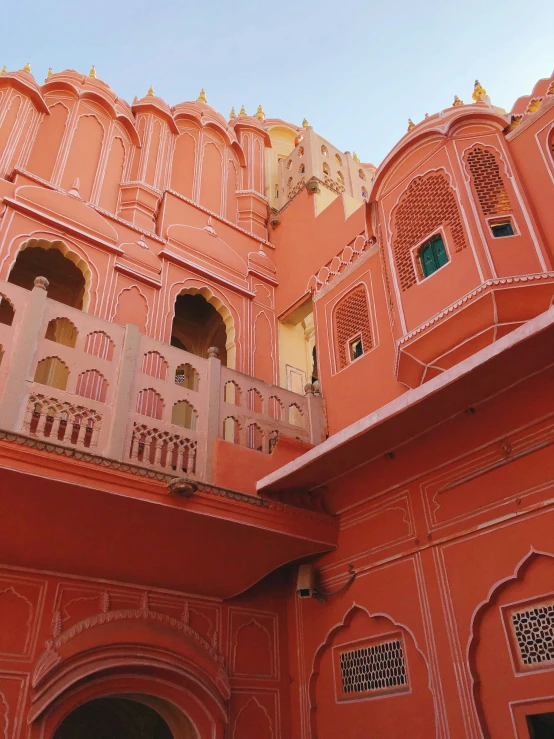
pixel 340 178
pixel 432 255
pixel 326 168
pixel 324 150
pixel 502 228
pixel 338 159
pixel 355 348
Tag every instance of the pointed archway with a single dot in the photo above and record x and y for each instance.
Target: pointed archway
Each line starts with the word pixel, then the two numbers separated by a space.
pixel 201 320
pixel 67 274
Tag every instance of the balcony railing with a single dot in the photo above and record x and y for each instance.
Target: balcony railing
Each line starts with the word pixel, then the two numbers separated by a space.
pixel 77 380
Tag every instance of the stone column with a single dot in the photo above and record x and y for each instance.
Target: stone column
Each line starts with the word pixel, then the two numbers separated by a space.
pixel 14 404
pixel 121 406
pixel 205 463
pixel 316 415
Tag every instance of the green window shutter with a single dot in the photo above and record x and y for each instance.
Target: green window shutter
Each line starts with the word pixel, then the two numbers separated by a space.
pixel 427 257
pixel 440 252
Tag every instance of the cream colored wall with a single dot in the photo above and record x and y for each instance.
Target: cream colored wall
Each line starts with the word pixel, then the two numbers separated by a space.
pixel 296 342
pixel 282 142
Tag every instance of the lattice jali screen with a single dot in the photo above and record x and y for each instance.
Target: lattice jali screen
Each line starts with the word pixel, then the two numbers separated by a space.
pixel 487 182
pixel 427 204
pixel 533 629
pixel 372 668
pixel 351 318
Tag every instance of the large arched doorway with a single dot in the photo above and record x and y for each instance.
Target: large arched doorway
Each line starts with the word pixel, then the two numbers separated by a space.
pixel 197 326
pixel 67 283
pixel 116 716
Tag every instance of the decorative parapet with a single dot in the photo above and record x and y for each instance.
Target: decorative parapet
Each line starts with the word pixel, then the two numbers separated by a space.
pixel 110 392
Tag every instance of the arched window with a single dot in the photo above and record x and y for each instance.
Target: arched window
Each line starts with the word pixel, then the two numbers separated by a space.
pixel 289 182
pixel 255 438
pixel 150 403
pixel 100 345
pixel 231 430
pixel 361 174
pixel 432 255
pixel 340 178
pixel 52 371
pixel 364 193
pixel 324 150
pixel 232 393
pixel 255 401
pixel 7 312
pixel 183 414
pixel 197 326
pixel 296 417
pixel 326 169
pixel 338 159
pixel 289 164
pixel 186 376
pixel 155 365
pixel 302 169
pixel 92 384
pixel 300 151
pixel 62 331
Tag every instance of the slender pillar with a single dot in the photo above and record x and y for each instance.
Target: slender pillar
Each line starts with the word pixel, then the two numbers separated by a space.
pixel 316 415
pixel 16 392
pixel 123 394
pixel 205 462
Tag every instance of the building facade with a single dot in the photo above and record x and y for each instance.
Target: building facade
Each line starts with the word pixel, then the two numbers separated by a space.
pixel 275 452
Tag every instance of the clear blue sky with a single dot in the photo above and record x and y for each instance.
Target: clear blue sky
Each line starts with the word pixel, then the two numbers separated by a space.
pixel 357 69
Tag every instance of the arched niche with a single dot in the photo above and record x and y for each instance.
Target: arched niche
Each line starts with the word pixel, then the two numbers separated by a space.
pixel 505 668
pixel 200 320
pixel 395 710
pixel 69 276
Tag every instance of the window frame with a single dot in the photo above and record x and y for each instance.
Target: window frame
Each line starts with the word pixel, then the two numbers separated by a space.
pixel 416 251
pixel 497 220
pixel 349 342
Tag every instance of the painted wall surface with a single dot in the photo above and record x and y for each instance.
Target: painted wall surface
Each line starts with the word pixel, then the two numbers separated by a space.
pixel 137 558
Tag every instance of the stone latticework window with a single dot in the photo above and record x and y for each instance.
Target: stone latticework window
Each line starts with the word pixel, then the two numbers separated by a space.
pixel 373 668
pixel 487 182
pixel 352 319
pixel 534 633
pixel 428 204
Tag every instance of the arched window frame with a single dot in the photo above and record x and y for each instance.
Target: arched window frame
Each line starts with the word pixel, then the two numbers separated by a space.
pixel 418 250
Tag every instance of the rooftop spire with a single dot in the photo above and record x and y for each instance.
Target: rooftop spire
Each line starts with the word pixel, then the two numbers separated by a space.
pixel 457 101
pixel 49 73
pixel 479 91
pixel 3 70
pixel 232 114
pixel 355 157
pixel 411 124
pixel 242 112
pixel 150 93
pixel 92 72
pixel 305 123
pixel 260 115
pixel 202 97
pixel 27 68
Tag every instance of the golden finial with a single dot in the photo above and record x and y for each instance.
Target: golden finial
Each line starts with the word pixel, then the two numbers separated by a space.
pixel 202 97
pixel 150 93
pixel 27 68
pixel 479 91
pixel 457 101
pixel 49 73
pixel 305 123
pixel 242 112
pixel 260 115
pixel 135 100
pixel 232 114
pixel 356 158
pixel 411 124
pixel 92 72
pixel 3 70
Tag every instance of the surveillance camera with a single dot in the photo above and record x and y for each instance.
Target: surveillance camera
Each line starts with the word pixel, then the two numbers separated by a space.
pixel 305 582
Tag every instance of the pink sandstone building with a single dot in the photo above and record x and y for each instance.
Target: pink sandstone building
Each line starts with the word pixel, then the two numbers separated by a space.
pixel 276 425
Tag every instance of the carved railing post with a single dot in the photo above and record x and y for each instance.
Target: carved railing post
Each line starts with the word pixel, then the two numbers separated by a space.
pixel 316 414
pixel 16 392
pixel 123 393
pixel 205 460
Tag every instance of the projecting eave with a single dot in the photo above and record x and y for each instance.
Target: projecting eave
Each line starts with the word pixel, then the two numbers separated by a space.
pixel 522 352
